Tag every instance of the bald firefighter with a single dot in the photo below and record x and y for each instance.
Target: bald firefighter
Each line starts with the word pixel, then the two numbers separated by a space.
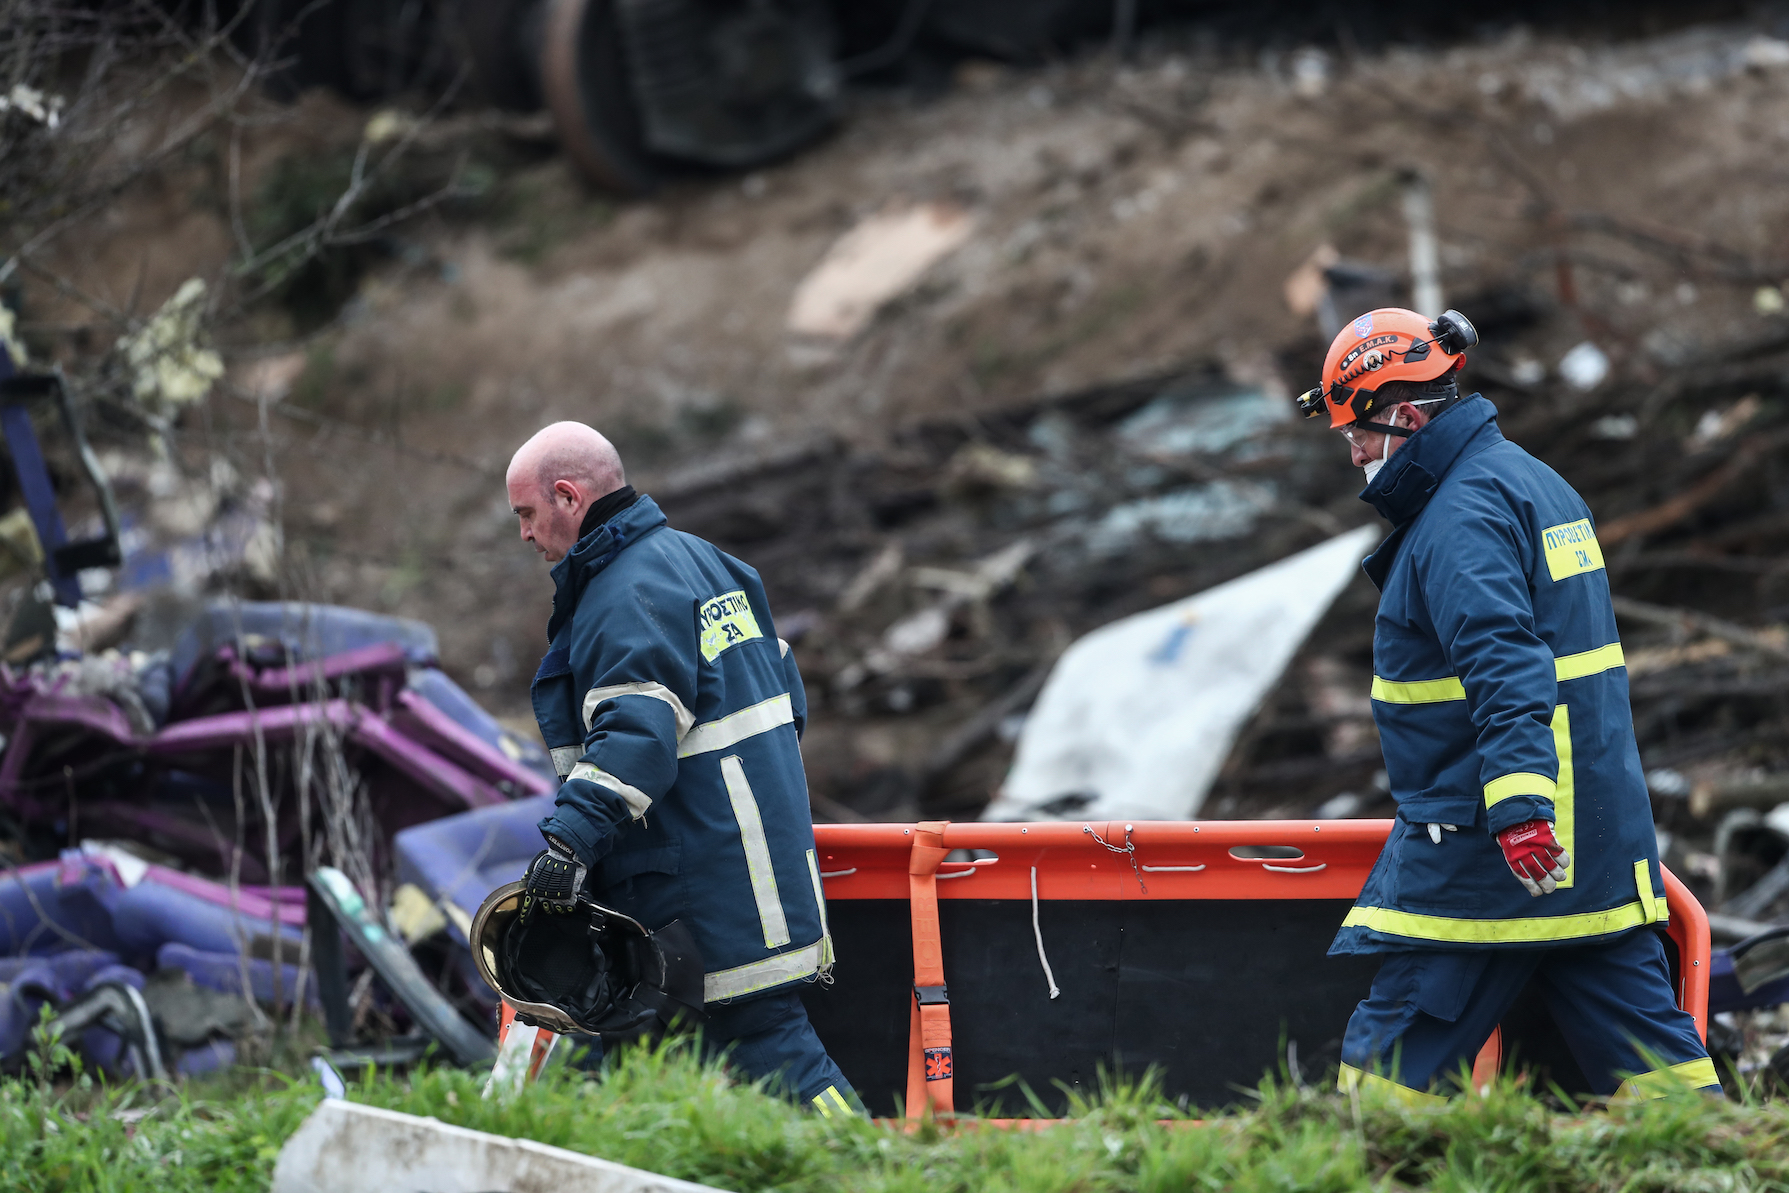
pixel 1523 850
pixel 674 714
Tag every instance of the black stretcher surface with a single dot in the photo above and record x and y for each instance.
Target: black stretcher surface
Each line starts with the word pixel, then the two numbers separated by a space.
pixel 1207 991
pixel 1210 992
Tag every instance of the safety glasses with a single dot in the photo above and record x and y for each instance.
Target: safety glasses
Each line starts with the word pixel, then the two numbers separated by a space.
pixel 1349 432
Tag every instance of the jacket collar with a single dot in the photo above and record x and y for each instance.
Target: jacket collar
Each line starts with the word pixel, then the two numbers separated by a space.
pixel 594 552
pixel 1404 486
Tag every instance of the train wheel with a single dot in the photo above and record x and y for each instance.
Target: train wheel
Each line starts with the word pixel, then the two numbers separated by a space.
pixel 584 79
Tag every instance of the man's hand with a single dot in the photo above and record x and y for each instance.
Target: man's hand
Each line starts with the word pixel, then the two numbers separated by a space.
pixel 553 880
pixel 1535 856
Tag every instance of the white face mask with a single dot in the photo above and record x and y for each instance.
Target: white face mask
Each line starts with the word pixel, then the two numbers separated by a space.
pixel 1372 467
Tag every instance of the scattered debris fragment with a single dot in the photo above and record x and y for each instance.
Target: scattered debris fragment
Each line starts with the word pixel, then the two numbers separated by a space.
pixel 171 366
pixel 873 263
pixel 391 960
pixel 345 1147
pixel 1138 717
pixel 1584 367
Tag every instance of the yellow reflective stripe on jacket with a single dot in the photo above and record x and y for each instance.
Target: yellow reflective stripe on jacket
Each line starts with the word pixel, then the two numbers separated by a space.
pixel 754 976
pixel 1519 783
pixel 730 730
pixel 1661 907
pixel 1441 691
pixel 1349 1079
pixel 1565 795
pixel 683 717
pixel 1691 1074
pixel 757 853
pixel 637 801
pixel 1529 930
pixel 820 902
pixel 1588 663
pixel 564 758
pixel 1424 691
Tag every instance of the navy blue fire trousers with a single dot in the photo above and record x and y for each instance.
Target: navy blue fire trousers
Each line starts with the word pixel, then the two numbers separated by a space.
pixel 770 1036
pixel 1430 1012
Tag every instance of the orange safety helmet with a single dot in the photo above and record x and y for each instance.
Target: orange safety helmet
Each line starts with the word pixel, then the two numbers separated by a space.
pixel 1389 344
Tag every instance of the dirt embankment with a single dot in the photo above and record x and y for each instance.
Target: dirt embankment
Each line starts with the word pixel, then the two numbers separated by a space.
pixel 1131 223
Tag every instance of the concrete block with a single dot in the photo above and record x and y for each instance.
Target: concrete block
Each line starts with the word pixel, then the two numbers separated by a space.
pixel 344 1147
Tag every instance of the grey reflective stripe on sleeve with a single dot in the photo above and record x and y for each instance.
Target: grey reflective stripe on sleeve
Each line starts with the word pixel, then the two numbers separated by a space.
pixel 742 980
pixel 564 758
pixel 731 730
pixel 658 691
pixel 757 853
pixel 820 902
pixel 637 801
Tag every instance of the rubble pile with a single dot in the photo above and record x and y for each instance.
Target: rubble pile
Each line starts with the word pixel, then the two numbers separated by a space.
pixel 929 587
pixel 180 799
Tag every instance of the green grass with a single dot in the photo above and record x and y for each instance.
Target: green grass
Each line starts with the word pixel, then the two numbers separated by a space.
pixel 659 1109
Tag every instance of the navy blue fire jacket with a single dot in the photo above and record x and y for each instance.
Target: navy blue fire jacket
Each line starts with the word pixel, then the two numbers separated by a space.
pixel 1501 695
pixel 673 713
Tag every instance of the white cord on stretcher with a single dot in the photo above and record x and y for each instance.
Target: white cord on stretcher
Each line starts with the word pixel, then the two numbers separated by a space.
pixel 1039 933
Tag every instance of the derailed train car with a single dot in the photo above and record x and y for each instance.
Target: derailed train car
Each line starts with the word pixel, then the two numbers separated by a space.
pixel 637 88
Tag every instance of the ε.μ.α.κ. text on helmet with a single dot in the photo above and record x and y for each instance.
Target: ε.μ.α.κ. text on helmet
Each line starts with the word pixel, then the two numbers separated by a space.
pixel 1389 344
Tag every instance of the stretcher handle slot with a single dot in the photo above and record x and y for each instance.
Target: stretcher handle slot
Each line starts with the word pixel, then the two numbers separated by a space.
pixel 1173 869
pixel 970 858
pixel 1254 853
pixel 1295 869
pixel 838 873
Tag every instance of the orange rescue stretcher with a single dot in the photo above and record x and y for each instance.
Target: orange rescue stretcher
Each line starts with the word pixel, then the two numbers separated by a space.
pixel 972 954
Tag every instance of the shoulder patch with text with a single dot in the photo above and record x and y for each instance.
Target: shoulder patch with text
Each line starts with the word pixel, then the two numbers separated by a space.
pixel 1571 549
pixel 724 622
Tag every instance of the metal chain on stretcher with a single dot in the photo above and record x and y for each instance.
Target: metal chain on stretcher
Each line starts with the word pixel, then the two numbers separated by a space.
pixel 1130 850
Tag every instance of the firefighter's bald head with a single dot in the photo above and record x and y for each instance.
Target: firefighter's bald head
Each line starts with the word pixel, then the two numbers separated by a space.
pixel 553 480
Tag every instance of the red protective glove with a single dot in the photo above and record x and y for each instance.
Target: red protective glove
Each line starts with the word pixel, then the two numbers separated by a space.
pixel 1534 855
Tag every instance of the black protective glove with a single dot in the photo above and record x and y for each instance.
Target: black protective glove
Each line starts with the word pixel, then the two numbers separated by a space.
pixel 553 880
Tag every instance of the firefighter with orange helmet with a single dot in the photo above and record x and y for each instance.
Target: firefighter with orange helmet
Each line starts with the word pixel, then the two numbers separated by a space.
pixel 1384 360
pixel 1523 851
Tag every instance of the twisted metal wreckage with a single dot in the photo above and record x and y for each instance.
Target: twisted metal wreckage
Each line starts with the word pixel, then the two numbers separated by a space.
pixel 252 697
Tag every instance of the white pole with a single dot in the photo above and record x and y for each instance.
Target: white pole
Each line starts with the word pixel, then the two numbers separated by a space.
pixel 1425 257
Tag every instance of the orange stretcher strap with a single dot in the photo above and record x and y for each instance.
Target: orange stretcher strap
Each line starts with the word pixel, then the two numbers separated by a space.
pixel 930 1067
